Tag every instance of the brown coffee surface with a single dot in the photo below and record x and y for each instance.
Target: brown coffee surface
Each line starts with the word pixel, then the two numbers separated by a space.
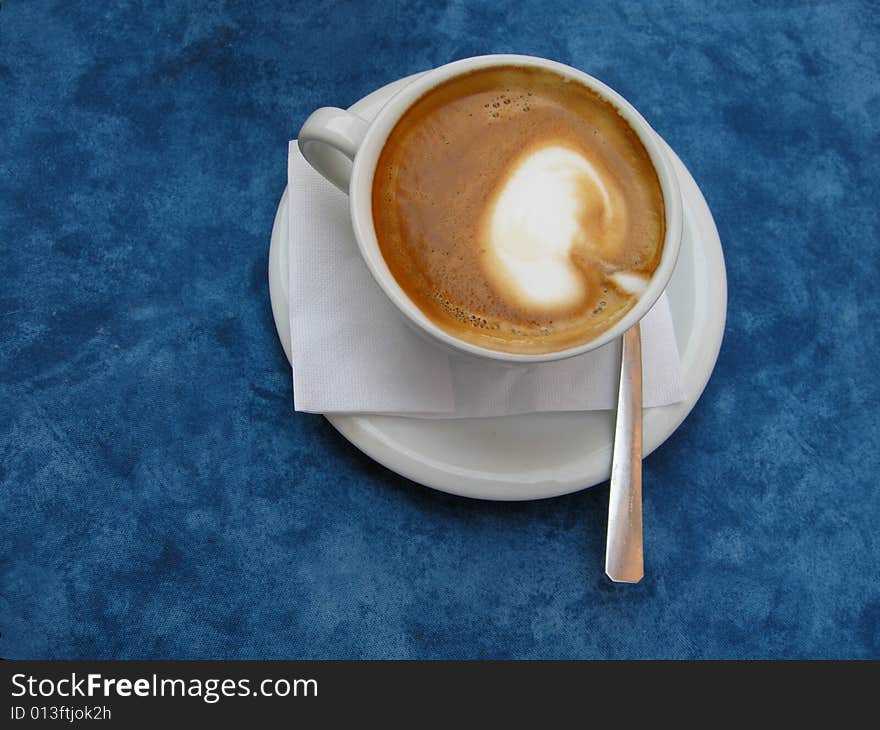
pixel 438 190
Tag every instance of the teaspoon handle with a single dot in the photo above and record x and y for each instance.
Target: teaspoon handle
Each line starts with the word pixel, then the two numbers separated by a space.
pixel 624 561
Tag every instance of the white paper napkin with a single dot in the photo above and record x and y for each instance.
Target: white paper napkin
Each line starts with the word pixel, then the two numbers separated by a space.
pixel 352 352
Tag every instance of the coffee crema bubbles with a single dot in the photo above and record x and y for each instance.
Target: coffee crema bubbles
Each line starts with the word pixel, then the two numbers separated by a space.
pixel 518 210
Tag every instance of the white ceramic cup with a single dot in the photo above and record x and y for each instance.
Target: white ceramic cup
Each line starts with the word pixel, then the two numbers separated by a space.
pixel 345 148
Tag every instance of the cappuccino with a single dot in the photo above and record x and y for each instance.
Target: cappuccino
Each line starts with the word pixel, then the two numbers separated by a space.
pixel 518 210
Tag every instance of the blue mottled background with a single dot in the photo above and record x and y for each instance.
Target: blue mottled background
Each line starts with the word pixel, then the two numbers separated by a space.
pixel 161 499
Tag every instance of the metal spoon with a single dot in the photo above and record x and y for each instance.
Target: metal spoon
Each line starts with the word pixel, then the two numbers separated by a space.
pixel 624 562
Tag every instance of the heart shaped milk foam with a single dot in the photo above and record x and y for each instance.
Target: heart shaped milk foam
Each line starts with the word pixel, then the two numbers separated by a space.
pixel 554 209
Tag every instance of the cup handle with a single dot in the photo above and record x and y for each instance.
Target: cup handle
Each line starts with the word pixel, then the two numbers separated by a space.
pixel 329 140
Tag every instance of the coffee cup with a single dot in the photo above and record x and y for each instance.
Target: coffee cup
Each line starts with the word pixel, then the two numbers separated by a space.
pixel 346 150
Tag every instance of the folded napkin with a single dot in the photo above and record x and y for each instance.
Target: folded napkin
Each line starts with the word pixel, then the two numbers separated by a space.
pixel 352 352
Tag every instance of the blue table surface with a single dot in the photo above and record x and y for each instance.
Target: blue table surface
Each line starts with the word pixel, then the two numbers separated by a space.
pixel 161 499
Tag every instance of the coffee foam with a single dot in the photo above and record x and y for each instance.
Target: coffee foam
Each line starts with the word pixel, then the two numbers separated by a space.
pixel 631 282
pixel 554 201
pixel 518 210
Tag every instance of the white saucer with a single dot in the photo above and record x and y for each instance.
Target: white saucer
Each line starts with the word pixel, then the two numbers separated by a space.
pixel 537 455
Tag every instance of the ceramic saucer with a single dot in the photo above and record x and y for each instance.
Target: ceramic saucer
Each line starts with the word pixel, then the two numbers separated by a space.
pixel 537 455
